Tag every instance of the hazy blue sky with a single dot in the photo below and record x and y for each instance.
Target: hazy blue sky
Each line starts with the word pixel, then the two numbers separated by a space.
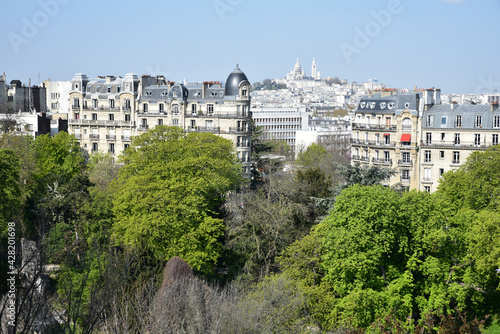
pixel 453 45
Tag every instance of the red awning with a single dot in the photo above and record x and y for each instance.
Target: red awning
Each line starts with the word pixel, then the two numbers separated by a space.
pixel 405 138
pixel 386 134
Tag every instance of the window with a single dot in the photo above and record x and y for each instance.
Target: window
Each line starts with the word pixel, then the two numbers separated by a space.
pixel 406 124
pixel 457 139
pixel 479 122
pixel 175 109
pixel 10 98
pixel 377 138
pixel 244 92
pixel 442 136
pixel 430 120
pixel 245 110
pixel 94 117
pixel 496 121
pixel 111 104
pixel 127 117
pixel 193 124
pixel 441 171
pixel 161 107
pixel 494 139
pixel 443 121
pixel 125 146
pixel 238 141
pixel 427 174
pixel 427 156
pixel 95 147
pixel 144 121
pixel 387 156
pixel 387 139
pixel 388 121
pixel 77 116
pixel 428 138
pixel 118 89
pixel 145 107
pixel 193 109
pixel 175 121
pixel 405 157
pixel 210 109
pixel 427 189
pixel 366 137
pixel 458 121
pixel 94 104
pixel 405 175
pixel 109 89
pixel 127 104
pixel 456 157
pixel 477 139
pixel 441 154
pixel 160 121
pixel 111 117
pixel 111 148
pixel 209 125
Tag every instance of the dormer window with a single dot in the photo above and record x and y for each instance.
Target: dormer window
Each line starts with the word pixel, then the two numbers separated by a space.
pixel 243 92
pixel 174 93
pixel 118 89
pixel 76 86
pixel 175 109
pixel 109 89
pixel 148 93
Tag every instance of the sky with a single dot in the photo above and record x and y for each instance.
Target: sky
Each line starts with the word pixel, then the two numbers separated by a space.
pixel 448 44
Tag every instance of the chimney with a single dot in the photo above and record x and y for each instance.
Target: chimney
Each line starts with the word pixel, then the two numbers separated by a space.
pixel 493 106
pixel 453 105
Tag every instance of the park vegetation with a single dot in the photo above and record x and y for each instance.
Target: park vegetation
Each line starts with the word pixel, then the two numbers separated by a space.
pixel 321 248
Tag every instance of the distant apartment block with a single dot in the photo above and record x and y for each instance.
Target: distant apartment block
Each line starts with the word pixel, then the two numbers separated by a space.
pixel 334 133
pixel 281 123
pixel 107 111
pixel 23 108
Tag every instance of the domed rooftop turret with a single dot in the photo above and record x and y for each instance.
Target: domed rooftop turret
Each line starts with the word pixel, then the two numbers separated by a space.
pixel 233 82
pixel 297 69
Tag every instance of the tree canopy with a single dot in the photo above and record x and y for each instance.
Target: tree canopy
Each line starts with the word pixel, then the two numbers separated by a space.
pixel 169 191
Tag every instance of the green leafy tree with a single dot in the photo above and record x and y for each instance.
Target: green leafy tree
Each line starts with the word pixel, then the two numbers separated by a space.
pixel 365 175
pixel 169 192
pixel 311 156
pixel 476 184
pixel 408 256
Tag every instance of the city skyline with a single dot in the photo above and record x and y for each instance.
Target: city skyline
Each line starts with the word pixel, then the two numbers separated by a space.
pixel 432 43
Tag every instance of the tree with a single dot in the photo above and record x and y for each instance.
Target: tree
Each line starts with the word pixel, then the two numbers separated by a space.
pixel 476 184
pixel 408 256
pixel 366 175
pixel 169 192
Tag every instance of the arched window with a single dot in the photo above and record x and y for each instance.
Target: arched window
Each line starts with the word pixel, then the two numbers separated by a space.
pixel 175 109
pixel 406 124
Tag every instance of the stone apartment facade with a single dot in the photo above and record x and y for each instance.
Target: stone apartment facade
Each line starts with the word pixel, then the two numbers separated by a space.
pixel 418 136
pixel 107 111
pixel 450 133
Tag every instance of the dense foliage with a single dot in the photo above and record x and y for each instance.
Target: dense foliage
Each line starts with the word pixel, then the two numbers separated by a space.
pixel 321 248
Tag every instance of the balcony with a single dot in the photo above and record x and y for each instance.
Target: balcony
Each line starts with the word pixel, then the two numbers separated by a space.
pixel 214 129
pixel 451 143
pixel 143 127
pixel 75 107
pixel 110 137
pixel 405 179
pixel 78 135
pixel 405 162
pixel 126 138
pixel 240 129
pixel 366 126
pixel 382 161
pixel 94 137
pixel 103 123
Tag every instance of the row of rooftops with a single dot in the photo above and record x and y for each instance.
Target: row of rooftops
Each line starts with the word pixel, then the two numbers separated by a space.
pixel 157 88
pixel 428 102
